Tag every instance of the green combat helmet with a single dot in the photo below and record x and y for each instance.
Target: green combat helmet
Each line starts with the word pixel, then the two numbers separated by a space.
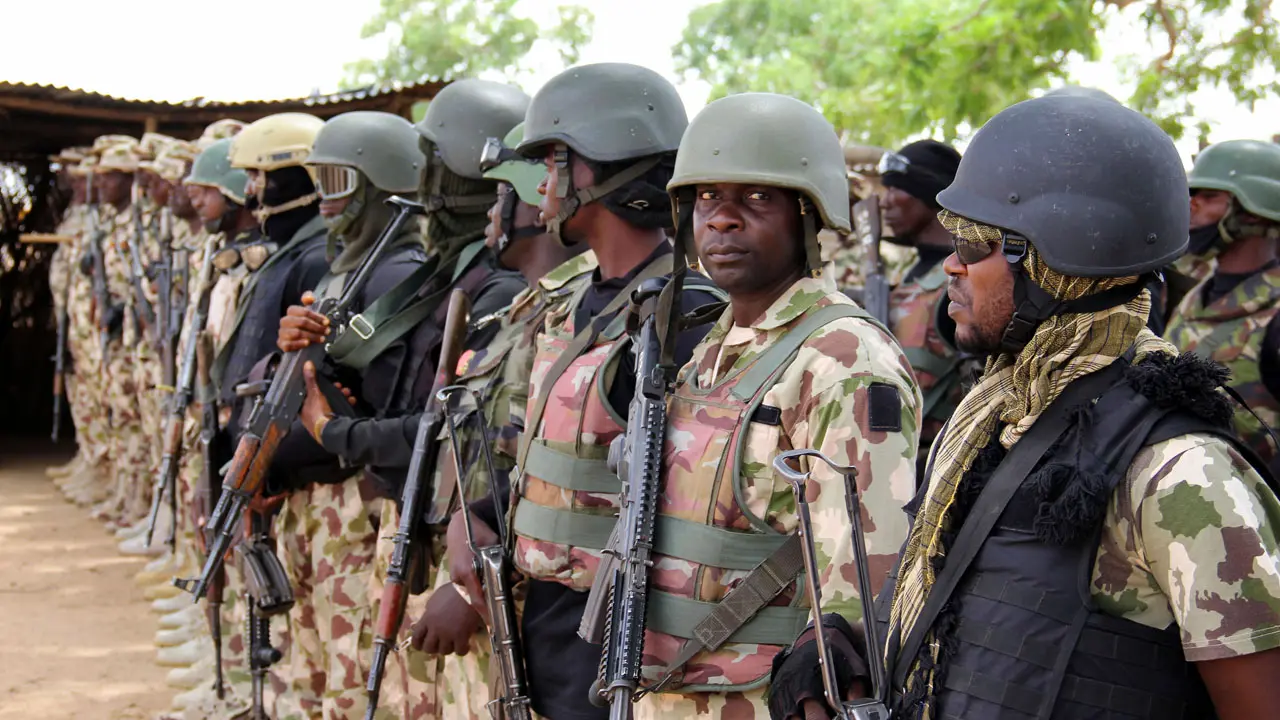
pixel 1248 169
pixel 459 121
pixel 766 139
pixel 379 145
pixel 212 168
pixel 501 162
pixel 606 112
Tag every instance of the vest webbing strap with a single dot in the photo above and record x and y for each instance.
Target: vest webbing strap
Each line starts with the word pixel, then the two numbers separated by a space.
pixel 708 626
pixel 583 340
pixel 563 527
pixel 570 472
pixel 391 316
pixel 778 354
pixel 996 494
pixel 715 546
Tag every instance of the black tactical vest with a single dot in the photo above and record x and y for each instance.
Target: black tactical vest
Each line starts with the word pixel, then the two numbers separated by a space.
pixel 1012 608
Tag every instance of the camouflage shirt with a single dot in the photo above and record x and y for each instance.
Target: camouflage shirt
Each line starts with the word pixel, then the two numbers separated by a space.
pixel 1190 538
pixel 1231 331
pixel 499 374
pixel 912 308
pixel 823 401
pixel 65 263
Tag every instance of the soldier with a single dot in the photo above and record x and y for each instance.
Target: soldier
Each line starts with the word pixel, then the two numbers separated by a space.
pixel 499 375
pixel 913 177
pixel 397 357
pixel 1092 443
pixel 608 134
pixel 791 363
pixel 62 268
pixel 328 523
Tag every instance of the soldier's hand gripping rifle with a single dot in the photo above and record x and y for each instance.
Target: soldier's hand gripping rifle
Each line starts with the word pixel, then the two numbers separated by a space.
pixel 638 459
pixel 494 571
pixel 875 288
pixel 871 707
pixel 178 402
pixel 60 357
pixel 142 310
pixel 421 464
pixel 272 415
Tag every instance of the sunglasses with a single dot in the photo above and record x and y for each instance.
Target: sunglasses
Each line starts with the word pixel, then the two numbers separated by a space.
pixel 334 182
pixel 969 253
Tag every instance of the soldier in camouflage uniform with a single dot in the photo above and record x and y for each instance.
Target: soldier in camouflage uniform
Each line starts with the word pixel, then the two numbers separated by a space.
pixel 791 363
pixel 913 177
pixel 1226 318
pixel 62 270
pixel 1089 443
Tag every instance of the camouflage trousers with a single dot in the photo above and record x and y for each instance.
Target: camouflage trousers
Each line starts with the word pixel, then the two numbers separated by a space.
pixel 87 394
pixel 151 406
pixel 130 446
pixel 327 537
pixel 748 705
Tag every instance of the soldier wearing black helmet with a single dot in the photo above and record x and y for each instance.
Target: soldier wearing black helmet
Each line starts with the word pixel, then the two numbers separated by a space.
pixel 1074 545
pixel 607 134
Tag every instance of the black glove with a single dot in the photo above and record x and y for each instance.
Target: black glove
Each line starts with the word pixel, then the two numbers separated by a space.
pixel 113 320
pixel 797 676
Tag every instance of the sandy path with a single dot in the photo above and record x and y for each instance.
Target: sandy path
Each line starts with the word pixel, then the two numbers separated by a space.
pixel 75 631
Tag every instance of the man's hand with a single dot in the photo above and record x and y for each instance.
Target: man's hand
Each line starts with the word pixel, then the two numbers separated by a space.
pixel 461 561
pixel 447 625
pixel 316 410
pixel 302 326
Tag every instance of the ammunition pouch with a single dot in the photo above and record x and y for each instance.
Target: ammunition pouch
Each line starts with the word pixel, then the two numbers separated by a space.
pixel 264 577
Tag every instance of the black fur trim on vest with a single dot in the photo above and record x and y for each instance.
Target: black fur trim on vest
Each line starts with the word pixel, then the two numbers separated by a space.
pixel 1073 492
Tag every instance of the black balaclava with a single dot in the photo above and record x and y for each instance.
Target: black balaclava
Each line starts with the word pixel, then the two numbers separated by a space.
pixel 286 185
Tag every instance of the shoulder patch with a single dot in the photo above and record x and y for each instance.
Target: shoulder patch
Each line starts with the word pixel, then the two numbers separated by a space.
pixel 884 407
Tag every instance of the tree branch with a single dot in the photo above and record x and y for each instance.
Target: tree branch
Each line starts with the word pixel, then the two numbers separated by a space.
pixel 971 17
pixel 1171 30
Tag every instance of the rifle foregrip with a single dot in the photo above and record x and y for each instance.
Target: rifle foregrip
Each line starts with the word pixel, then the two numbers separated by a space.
pixel 392 610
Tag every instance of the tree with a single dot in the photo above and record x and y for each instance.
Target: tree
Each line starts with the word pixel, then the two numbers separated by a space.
pixel 444 39
pixel 883 70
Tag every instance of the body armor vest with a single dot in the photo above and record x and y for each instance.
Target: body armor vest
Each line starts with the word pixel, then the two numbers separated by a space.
pixel 1012 608
pixel 707 538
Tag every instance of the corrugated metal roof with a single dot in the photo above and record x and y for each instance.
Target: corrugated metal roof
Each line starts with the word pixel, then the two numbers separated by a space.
pixel 64 93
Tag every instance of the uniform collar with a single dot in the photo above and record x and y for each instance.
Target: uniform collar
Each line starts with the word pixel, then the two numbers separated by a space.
pixel 1255 294
pixel 795 302
pixel 566 271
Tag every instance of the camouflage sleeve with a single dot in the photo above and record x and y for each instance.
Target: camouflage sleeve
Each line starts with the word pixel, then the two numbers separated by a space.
pixel 839 422
pixel 1205 535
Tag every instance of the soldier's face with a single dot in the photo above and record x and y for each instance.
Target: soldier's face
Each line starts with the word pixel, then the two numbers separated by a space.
pixel 981 295
pixel 1208 207
pixel 333 208
pixel 113 187
pixel 582 177
pixel 157 188
pixel 905 214
pixel 180 202
pixel 209 203
pixel 748 237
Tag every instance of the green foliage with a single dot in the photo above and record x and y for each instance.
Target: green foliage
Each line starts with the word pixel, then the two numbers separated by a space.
pixel 883 70
pixel 463 38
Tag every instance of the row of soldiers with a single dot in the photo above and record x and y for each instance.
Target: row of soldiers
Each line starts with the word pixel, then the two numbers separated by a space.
pixel 576 226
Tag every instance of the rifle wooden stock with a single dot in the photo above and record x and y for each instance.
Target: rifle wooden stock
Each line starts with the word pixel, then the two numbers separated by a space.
pixel 391 613
pixel 57 384
pixel 45 238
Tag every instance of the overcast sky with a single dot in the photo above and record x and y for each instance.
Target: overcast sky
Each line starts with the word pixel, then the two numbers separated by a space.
pixel 257 49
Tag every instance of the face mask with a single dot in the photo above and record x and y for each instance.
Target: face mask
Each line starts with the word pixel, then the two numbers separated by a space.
pixel 1203 239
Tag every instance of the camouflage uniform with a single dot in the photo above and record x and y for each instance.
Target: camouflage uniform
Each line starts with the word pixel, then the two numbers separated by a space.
pixel 1230 331
pixel 823 398
pixel 63 272
pixel 88 404
pixel 912 309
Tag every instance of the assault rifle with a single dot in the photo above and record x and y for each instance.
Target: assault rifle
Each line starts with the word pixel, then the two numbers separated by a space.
pixel 60 357
pixel 171 275
pixel 209 487
pixel 494 570
pixel 142 310
pixel 98 273
pixel 871 707
pixel 178 402
pixel 272 414
pixel 637 455
pixel 875 289
pixel 267 594
pixel 417 480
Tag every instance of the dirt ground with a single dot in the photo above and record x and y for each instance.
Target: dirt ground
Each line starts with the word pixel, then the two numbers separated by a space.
pixel 75 631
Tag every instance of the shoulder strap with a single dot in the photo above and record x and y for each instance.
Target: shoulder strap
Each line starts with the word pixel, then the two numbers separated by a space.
pixel 584 339
pixel 779 354
pixel 991 503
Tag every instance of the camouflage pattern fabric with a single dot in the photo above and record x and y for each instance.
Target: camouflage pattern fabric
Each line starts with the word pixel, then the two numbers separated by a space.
pixel 327 533
pixel 823 399
pixel 1230 331
pixel 1190 537
pixel 911 318
pixel 64 282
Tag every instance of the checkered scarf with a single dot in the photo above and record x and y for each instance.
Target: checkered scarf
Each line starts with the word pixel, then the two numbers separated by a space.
pixel 1012 393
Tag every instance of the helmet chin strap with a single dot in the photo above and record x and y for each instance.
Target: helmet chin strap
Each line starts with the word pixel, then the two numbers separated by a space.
pixel 507 223
pixel 1033 304
pixel 571 200
pixel 265 212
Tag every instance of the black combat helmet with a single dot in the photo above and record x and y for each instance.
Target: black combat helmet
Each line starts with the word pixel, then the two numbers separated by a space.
pixel 1098 189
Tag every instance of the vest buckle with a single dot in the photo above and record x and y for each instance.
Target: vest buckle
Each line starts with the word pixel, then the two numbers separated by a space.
pixel 361 327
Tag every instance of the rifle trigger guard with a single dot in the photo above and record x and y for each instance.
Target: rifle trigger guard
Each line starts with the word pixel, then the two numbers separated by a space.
pixel 361 327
